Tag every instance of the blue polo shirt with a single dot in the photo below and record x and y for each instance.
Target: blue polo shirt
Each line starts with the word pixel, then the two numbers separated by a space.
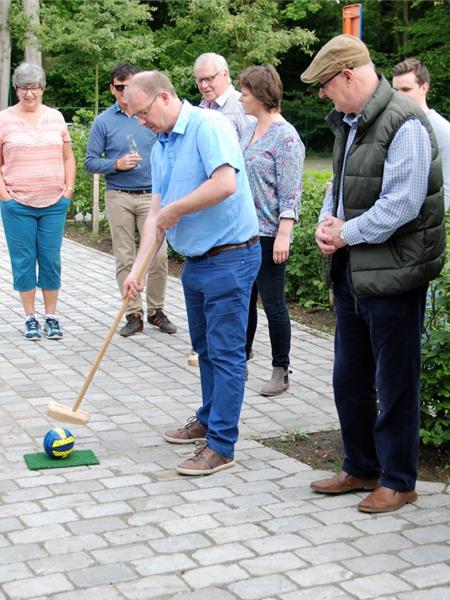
pixel 108 141
pixel 201 141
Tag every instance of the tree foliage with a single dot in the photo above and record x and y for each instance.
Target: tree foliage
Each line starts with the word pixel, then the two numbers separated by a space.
pixel 83 40
pixel 244 32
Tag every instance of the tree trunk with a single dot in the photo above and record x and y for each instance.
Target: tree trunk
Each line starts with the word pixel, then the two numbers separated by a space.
pixel 32 53
pixel 5 54
pixel 405 22
pixel 96 181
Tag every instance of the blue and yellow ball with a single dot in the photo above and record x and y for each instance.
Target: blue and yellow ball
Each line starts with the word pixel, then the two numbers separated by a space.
pixel 58 443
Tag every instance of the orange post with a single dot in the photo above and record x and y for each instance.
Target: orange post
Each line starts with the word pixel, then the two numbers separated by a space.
pixel 352 20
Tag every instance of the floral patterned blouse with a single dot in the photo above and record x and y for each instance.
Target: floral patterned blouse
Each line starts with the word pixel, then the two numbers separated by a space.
pixel 274 166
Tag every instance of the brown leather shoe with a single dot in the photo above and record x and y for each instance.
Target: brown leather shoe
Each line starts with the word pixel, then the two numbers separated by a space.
pixel 134 324
pixel 342 483
pixel 385 499
pixel 192 432
pixel 205 462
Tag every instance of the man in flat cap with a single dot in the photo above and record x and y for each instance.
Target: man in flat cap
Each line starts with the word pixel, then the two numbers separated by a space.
pixel 381 225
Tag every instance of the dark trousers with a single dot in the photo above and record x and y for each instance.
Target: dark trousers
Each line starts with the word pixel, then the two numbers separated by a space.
pixel 376 381
pixel 270 285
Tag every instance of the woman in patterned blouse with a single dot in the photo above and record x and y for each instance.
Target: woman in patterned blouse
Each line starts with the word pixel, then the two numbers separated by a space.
pixel 274 155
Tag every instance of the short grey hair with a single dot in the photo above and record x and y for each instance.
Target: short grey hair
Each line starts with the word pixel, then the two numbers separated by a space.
pixel 28 74
pixel 216 59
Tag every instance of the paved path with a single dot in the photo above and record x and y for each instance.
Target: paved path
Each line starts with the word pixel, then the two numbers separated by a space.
pixel 131 527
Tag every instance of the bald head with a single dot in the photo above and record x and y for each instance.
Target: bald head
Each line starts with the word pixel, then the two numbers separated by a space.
pixel 151 83
pixel 152 98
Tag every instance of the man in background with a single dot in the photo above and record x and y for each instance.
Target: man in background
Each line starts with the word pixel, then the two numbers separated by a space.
pixel 214 83
pixel 119 148
pixel 412 78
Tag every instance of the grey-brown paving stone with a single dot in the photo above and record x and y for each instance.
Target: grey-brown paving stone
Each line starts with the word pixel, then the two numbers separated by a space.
pixel 131 527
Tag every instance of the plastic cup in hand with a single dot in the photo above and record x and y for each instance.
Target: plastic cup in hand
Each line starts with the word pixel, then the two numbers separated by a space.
pixel 133 148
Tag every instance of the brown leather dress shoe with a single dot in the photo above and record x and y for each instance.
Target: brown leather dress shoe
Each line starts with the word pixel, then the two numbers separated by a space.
pixel 342 483
pixel 192 432
pixel 205 462
pixel 385 499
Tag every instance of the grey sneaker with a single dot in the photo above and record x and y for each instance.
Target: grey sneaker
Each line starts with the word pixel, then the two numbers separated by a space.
pixel 160 320
pixel 32 329
pixel 52 329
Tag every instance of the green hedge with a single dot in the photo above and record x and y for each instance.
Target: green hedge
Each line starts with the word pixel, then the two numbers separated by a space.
pixel 435 382
pixel 306 266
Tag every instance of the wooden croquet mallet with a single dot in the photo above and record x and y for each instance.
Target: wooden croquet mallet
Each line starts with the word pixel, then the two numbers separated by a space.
pixel 74 415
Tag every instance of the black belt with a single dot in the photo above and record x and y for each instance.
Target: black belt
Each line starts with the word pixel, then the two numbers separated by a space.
pixel 134 191
pixel 225 248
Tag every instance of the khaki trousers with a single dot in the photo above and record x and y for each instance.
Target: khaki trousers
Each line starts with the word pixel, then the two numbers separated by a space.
pixel 126 211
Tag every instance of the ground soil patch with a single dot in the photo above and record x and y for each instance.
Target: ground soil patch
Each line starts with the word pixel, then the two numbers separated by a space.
pixel 323 450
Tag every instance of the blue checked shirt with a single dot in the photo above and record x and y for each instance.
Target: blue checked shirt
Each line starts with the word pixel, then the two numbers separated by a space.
pixel 403 190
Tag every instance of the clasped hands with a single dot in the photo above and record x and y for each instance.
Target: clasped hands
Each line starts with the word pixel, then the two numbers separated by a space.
pixel 327 235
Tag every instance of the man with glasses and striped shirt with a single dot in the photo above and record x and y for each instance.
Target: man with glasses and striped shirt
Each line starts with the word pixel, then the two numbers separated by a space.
pixel 218 93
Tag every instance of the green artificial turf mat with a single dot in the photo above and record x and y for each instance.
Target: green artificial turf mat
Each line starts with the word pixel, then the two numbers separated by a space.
pixel 78 458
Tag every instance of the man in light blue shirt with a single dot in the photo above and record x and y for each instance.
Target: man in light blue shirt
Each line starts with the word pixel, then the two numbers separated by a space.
pixel 119 149
pixel 202 202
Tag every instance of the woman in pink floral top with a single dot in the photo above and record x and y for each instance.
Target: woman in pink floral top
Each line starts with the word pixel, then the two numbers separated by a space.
pixel 36 183
pixel 274 155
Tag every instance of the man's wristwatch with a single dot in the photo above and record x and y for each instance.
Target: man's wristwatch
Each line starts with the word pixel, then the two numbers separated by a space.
pixel 341 235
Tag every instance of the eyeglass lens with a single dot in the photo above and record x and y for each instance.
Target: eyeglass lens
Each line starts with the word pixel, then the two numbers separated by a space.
pixel 209 79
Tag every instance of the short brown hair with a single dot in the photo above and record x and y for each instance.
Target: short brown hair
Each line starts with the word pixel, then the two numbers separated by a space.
pixel 264 83
pixel 415 66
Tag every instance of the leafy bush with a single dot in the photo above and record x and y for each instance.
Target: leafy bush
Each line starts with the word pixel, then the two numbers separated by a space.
pixel 305 269
pixel 435 377
pixel 79 132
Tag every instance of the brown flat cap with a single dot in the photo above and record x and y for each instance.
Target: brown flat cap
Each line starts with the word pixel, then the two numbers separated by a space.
pixel 341 52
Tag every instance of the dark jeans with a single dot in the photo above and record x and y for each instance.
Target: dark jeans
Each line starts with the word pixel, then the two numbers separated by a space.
pixel 376 381
pixel 270 285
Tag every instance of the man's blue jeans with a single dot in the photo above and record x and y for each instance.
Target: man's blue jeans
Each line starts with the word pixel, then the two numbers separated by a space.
pixel 217 292
pixel 376 381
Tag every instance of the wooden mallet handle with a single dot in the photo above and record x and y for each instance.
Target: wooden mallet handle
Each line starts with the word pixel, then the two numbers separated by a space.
pixel 146 264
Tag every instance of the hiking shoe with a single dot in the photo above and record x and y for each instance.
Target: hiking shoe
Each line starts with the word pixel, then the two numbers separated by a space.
pixel 192 432
pixel 52 329
pixel 32 329
pixel 159 319
pixel 205 462
pixel 134 324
